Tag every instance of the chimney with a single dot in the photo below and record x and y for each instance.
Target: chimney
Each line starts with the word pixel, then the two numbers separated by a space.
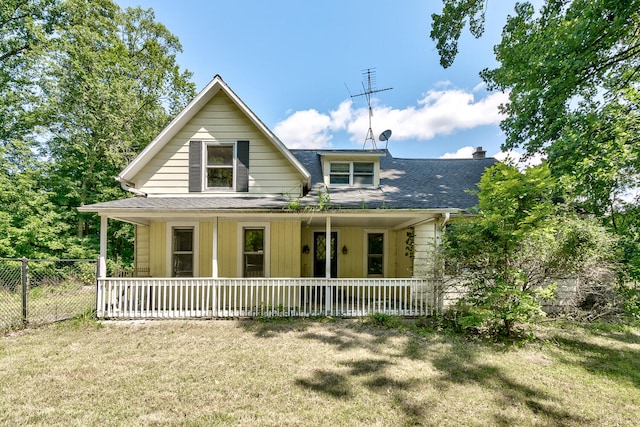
pixel 479 153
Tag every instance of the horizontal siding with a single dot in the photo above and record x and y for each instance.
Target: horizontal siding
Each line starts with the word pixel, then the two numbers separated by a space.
pixel 269 171
pixel 141 247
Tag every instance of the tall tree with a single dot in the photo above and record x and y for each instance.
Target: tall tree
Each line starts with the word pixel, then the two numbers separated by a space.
pixel 114 83
pixel 572 71
pixel 85 85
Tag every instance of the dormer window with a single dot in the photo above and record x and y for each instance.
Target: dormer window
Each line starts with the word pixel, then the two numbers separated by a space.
pixel 351 173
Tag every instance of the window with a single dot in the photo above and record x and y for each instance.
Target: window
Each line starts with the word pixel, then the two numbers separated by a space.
pixel 182 252
pixel 219 166
pixel 351 173
pixel 253 252
pixel 375 254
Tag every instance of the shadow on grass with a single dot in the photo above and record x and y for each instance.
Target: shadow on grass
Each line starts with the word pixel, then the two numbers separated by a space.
pixel 619 363
pixel 327 382
pixel 460 366
pixel 457 362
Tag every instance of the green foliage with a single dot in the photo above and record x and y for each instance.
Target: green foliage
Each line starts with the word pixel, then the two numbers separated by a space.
pixel 383 320
pixel 84 86
pixel 571 72
pixel 510 255
pixel 447 27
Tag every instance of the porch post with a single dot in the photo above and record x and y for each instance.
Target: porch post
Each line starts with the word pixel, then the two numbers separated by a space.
pixel 102 261
pixel 327 248
pixel 214 252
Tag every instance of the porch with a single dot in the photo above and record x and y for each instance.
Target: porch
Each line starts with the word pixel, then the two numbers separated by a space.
pixel 181 298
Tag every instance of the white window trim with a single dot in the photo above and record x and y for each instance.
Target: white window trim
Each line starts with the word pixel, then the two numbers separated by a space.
pixel 267 246
pixel 375 177
pixel 205 168
pixel 365 252
pixel 196 245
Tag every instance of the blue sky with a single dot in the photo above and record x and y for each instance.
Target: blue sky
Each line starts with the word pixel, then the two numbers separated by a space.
pixel 295 63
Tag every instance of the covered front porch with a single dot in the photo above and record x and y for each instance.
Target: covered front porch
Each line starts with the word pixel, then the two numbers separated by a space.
pixel 345 263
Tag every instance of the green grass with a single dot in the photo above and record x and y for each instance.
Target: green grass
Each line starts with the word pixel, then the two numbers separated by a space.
pixel 314 372
pixel 46 304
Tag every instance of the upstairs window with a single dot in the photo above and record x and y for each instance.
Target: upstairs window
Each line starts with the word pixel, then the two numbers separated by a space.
pixel 351 173
pixel 220 166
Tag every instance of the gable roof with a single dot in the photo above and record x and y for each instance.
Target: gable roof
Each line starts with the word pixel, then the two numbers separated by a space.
pixel 405 183
pixel 211 90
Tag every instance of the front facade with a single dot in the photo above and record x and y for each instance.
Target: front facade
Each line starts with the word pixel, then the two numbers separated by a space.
pixel 219 196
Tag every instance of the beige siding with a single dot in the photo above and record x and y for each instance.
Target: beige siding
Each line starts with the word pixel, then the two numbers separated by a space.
pixel 206 249
pixel 425 244
pixel 141 248
pixel 227 248
pixel 285 249
pixel 158 249
pixel 220 120
pixel 351 264
pixel 404 264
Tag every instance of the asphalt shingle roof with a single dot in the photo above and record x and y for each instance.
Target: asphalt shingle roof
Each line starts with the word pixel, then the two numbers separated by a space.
pixel 404 184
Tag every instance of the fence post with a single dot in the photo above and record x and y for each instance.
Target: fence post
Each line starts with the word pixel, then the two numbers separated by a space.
pixel 24 290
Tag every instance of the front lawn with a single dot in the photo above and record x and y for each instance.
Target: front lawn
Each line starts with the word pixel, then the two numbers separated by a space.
pixel 304 372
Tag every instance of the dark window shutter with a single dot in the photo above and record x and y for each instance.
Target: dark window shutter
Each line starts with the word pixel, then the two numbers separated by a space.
pixel 242 169
pixel 195 166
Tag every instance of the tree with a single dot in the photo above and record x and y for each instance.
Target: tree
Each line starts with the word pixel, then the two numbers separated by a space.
pixel 517 247
pixel 87 86
pixel 572 72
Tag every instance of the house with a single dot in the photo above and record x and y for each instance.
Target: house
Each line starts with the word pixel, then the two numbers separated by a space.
pixel 229 222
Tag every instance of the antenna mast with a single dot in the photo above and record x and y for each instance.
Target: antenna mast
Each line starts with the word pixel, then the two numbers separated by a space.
pixel 369 89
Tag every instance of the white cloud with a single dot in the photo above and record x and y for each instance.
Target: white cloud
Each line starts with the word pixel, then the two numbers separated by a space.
pixel 438 112
pixel 305 129
pixel 462 153
pixel 518 159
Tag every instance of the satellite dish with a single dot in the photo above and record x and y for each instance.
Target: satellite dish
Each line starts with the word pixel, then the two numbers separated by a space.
pixel 384 136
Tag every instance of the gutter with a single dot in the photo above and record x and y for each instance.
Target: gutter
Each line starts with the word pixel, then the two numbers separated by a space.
pixel 126 187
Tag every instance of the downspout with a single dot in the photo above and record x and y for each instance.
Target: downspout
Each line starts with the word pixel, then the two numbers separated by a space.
pixel 127 187
pixel 447 216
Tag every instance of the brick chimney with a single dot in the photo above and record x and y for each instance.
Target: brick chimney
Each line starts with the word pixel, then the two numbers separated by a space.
pixel 479 153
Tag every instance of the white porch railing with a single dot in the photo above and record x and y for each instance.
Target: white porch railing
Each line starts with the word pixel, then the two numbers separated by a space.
pixel 150 298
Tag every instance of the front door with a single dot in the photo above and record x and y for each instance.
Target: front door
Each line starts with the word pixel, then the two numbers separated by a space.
pixel 319 254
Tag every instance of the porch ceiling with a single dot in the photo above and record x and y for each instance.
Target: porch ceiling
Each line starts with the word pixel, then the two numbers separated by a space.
pixel 378 218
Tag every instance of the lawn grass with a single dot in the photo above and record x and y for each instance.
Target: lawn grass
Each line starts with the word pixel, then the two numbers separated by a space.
pixel 314 372
pixel 46 304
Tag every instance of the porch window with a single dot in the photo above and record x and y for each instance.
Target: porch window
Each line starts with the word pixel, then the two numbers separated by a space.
pixel 253 252
pixel 375 254
pixel 219 166
pixel 351 173
pixel 182 252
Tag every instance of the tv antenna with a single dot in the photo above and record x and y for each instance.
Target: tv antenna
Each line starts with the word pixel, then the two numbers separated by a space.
pixel 367 90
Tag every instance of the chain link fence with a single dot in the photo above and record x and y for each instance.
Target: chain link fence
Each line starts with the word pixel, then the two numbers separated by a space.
pixel 34 291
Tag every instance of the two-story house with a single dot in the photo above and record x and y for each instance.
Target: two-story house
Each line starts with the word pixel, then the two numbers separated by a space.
pixel 229 222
